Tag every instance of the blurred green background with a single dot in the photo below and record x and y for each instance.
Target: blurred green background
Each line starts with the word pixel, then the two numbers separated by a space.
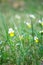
pixel 8 10
pixel 30 6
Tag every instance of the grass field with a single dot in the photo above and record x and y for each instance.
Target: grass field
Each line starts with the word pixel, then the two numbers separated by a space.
pixel 21 34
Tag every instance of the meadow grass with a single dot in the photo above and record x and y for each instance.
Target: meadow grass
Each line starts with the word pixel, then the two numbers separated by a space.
pixel 21 37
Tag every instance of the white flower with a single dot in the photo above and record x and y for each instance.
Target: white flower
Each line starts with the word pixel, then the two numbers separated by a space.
pixel 17 16
pixel 41 22
pixel 32 16
pixel 41 31
pixel 11 32
pixel 28 24
pixel 36 39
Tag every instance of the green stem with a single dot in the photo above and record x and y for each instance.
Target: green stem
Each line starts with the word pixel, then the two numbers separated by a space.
pixel 41 35
pixel 32 31
pixel 41 29
pixel 1 57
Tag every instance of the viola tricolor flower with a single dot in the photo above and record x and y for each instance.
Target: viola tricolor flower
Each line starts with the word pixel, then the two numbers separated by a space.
pixel 36 39
pixel 11 32
pixel 28 24
pixel 41 32
pixel 32 16
pixel 40 22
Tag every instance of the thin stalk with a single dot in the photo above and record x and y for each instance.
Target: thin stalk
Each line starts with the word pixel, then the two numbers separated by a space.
pixel 41 30
pixel 41 36
pixel 1 57
pixel 32 30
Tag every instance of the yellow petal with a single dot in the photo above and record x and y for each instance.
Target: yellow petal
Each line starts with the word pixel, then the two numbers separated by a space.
pixel 42 23
pixel 11 34
pixel 29 26
pixel 36 40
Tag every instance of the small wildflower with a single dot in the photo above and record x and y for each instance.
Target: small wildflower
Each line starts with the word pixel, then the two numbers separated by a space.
pixel 28 24
pixel 41 32
pixel 17 16
pixel 21 37
pixel 11 32
pixel 40 22
pixel 36 39
pixel 32 16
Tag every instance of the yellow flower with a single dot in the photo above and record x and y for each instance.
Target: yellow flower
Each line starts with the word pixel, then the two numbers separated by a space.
pixel 11 32
pixel 42 23
pixel 28 24
pixel 36 39
pixel 21 37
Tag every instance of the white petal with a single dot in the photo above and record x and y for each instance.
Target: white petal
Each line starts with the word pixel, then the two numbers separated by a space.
pixel 27 23
pixel 41 31
pixel 17 16
pixel 10 30
pixel 39 21
pixel 35 38
pixel 32 16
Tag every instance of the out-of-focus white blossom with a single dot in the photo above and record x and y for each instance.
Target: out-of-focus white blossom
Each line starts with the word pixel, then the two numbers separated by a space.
pixel 32 16
pixel 28 24
pixel 11 32
pixel 41 32
pixel 36 39
pixel 41 22
pixel 17 16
